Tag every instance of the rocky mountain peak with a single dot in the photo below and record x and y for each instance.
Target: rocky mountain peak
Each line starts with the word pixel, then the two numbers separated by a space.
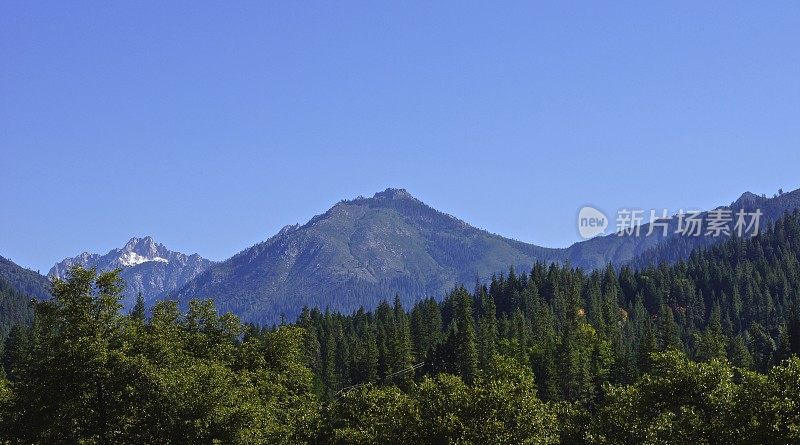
pixel 394 193
pixel 140 250
pixel 140 245
pixel 147 267
pixel 748 199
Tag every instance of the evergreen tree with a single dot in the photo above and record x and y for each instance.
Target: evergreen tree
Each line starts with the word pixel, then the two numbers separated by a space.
pixel 711 344
pixel 138 311
pixel 464 331
pixel 487 328
pixel 669 336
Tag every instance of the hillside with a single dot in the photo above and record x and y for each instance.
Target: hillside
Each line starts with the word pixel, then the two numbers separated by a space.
pixel 358 253
pixel 365 250
pixel 24 280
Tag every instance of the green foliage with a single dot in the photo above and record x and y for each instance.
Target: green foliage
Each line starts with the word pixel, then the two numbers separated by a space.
pixel 500 408
pixel 699 407
pixel 688 402
pixel 580 331
pixel 506 408
pixel 779 403
pixel 87 374
pixel 697 352
pixel 15 308
pixel 374 415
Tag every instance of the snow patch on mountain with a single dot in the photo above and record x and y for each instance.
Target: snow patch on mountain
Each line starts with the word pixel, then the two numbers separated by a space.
pixel 133 258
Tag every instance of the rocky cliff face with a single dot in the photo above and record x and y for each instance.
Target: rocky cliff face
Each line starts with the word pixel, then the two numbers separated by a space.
pixel 147 267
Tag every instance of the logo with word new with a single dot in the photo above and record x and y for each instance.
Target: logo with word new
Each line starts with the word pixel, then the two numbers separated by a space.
pixel 591 222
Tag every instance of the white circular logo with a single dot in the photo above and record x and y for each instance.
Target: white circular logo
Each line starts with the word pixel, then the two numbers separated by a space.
pixel 591 222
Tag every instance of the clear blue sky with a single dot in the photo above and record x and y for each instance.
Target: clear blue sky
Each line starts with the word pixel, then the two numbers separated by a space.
pixel 210 125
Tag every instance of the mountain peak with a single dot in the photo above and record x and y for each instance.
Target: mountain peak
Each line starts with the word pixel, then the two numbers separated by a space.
pixel 145 247
pixel 288 229
pixel 357 253
pixel 136 240
pixel 747 199
pixel 393 193
pixel 147 267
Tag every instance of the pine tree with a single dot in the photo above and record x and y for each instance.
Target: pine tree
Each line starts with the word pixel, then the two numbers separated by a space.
pixel 311 344
pixel 647 345
pixel 793 330
pixel 138 311
pixel 401 345
pixel 738 353
pixel 669 337
pixel 466 348
pixel 711 344
pixel 16 350
pixel 370 357
pixel 487 327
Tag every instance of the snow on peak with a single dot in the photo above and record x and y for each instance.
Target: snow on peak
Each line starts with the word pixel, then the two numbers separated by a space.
pixel 131 258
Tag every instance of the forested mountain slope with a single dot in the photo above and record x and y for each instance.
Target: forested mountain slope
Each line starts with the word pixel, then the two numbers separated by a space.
pixel 367 249
pixel 357 253
pixel 653 248
pixel 24 280
pixel 737 302
pixel 17 287
pixel 15 308
pixel 677 248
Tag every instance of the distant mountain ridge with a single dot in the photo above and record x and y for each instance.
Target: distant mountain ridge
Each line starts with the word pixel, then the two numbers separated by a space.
pixel 147 267
pixel 360 252
pixel 364 250
pixel 643 250
pixel 675 248
pixel 24 281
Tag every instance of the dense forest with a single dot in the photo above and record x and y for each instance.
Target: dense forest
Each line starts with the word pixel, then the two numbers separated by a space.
pixel 702 351
pixel 15 308
pixel 24 280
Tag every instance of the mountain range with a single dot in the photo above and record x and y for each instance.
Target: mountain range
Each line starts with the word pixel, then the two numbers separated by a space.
pixel 148 268
pixel 365 250
pixel 646 248
pixel 362 251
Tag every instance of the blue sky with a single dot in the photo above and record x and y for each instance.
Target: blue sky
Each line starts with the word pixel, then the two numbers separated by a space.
pixel 210 125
